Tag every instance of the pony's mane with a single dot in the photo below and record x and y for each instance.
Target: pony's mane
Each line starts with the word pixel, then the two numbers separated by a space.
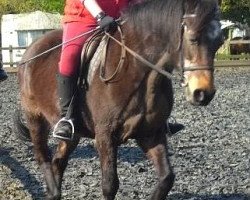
pixel 163 18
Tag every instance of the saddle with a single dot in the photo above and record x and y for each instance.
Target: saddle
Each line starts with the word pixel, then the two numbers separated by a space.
pixel 97 41
pixel 93 57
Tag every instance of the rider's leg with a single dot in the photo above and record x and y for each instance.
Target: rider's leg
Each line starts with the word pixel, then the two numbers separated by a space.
pixel 66 89
pixel 67 78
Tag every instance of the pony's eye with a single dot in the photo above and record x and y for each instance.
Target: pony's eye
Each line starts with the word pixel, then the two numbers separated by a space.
pixel 194 41
pixel 193 38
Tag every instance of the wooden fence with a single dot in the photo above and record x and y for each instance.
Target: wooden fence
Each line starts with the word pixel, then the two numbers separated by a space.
pixel 221 60
pixel 224 59
pixel 10 49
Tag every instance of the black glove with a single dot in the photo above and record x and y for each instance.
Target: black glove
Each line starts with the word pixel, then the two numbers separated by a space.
pixel 106 22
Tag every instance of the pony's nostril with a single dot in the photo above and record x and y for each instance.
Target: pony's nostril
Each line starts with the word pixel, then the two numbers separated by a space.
pixel 203 97
pixel 199 95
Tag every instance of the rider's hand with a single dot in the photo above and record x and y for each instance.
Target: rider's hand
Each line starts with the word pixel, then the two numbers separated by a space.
pixel 106 22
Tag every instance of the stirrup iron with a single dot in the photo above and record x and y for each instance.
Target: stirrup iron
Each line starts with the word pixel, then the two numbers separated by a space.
pixel 72 127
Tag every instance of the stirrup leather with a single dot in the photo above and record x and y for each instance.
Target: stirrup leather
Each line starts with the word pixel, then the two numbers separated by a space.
pixel 72 127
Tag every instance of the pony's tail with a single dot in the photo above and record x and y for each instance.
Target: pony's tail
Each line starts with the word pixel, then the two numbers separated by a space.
pixel 19 126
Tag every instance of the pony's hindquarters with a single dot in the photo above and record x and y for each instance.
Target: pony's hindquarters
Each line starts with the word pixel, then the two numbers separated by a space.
pixel 39 103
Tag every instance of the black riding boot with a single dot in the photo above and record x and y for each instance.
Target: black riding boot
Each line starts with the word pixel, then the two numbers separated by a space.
pixel 64 129
pixel 3 75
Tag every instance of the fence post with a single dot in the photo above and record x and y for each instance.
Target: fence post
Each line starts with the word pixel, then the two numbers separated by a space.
pixel 11 56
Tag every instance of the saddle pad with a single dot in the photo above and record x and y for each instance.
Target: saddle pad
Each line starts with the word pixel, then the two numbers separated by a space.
pixel 97 59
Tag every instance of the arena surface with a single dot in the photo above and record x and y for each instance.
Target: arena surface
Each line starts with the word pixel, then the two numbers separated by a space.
pixel 210 155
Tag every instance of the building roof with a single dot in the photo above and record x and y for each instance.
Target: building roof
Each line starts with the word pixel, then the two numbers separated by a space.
pixel 34 20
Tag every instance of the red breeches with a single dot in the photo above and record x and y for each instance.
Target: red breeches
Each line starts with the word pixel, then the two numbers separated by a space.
pixel 71 51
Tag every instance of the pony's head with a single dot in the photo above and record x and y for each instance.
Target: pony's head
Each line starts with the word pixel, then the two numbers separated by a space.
pixel 189 31
pixel 201 38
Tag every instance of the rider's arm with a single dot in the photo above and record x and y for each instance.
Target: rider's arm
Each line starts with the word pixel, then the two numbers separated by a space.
pixel 104 21
pixel 93 7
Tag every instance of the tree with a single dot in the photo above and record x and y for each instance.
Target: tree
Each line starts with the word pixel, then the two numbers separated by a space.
pixel 236 10
pixel 52 5
pixel 22 6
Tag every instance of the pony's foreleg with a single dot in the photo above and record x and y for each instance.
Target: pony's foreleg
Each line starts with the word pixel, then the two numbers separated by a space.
pixel 60 159
pixel 156 149
pixel 38 128
pixel 107 149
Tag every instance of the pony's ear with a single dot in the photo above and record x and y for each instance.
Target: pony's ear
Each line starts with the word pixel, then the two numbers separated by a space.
pixel 190 5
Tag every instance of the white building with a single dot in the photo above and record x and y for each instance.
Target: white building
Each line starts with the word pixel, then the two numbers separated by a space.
pixel 20 30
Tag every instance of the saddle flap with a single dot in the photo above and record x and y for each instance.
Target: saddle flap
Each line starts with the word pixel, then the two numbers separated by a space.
pixel 94 57
pixel 90 46
pixel 98 40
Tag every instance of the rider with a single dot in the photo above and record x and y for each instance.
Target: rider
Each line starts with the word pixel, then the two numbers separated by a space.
pixel 79 17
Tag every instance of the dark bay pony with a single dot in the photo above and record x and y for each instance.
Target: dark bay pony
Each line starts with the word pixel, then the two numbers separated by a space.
pixel 137 102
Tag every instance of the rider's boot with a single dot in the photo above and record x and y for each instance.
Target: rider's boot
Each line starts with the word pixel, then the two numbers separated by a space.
pixel 64 129
pixel 3 74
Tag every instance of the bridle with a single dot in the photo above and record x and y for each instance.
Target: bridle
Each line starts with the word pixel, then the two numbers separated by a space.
pixel 181 48
pixel 158 66
pixel 184 82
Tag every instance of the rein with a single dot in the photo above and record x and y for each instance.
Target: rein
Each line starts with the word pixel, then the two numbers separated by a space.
pixel 120 64
pixel 160 63
pixel 156 67
pixel 57 46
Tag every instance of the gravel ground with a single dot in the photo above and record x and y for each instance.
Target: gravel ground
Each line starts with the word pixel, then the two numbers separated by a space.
pixel 211 154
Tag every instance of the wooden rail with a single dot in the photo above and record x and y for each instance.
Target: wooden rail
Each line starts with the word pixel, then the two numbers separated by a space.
pixel 232 63
pixel 221 60
pixel 11 49
pixel 239 42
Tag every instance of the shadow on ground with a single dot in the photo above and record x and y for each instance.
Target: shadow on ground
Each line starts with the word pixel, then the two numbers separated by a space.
pixel 209 197
pixel 21 173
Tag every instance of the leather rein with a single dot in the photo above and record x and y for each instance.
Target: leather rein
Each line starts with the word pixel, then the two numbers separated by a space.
pixel 158 66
